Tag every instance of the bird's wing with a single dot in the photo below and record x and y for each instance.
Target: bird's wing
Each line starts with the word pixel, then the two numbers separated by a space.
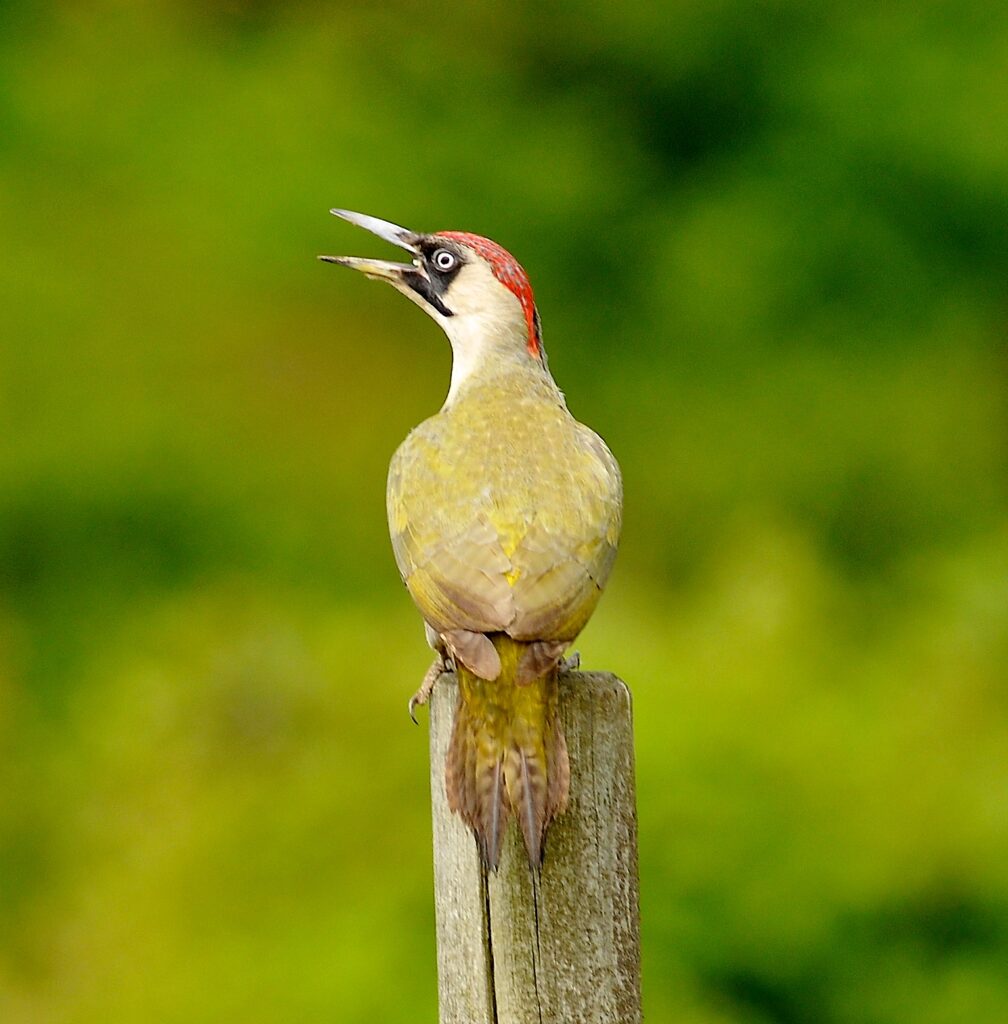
pixel 562 562
pixel 448 552
pixel 487 550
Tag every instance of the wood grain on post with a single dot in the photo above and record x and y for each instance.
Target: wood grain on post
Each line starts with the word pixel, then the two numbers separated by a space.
pixel 561 946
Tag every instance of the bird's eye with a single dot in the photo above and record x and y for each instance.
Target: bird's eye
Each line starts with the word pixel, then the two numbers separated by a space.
pixel 444 260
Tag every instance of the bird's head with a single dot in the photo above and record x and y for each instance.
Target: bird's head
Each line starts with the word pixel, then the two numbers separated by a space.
pixel 473 287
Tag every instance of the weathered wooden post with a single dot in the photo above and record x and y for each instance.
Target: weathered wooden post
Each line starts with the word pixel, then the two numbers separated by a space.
pixel 561 946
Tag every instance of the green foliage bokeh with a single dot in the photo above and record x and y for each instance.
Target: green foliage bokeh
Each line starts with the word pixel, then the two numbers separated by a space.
pixel 769 245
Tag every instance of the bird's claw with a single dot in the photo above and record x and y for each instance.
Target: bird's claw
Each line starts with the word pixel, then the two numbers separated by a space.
pixel 414 701
pixel 571 664
pixel 423 694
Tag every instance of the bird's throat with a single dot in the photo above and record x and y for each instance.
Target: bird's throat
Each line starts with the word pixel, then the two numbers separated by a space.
pixel 483 351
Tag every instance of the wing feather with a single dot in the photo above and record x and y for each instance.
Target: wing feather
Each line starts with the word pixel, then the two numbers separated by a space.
pixel 492 540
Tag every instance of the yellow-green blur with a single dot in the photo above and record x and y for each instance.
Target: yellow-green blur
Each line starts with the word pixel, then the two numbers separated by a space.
pixel 768 247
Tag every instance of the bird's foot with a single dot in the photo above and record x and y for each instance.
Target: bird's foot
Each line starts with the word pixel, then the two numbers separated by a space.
pixel 422 695
pixel 571 664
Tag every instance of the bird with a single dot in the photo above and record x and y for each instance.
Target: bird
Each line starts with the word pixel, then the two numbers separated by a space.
pixel 505 515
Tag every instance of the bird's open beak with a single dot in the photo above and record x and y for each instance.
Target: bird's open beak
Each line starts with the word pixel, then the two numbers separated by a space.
pixel 411 279
pixel 381 270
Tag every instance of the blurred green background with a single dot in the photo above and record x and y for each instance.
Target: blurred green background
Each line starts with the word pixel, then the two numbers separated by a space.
pixel 770 248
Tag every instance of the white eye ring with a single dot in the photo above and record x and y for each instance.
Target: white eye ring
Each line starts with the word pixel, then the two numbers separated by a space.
pixel 444 260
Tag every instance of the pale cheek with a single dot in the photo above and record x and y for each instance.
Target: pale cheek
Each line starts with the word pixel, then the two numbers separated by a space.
pixel 477 292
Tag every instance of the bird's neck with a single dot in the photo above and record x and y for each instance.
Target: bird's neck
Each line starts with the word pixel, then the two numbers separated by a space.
pixel 485 349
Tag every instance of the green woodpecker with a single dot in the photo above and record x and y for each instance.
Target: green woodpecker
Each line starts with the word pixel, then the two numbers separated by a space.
pixel 505 515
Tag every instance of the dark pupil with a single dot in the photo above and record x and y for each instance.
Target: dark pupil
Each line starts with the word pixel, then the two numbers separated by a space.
pixel 444 260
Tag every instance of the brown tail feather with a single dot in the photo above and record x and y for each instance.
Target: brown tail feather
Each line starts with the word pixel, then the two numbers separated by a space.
pixel 557 774
pixel 495 816
pixel 507 756
pixel 528 792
